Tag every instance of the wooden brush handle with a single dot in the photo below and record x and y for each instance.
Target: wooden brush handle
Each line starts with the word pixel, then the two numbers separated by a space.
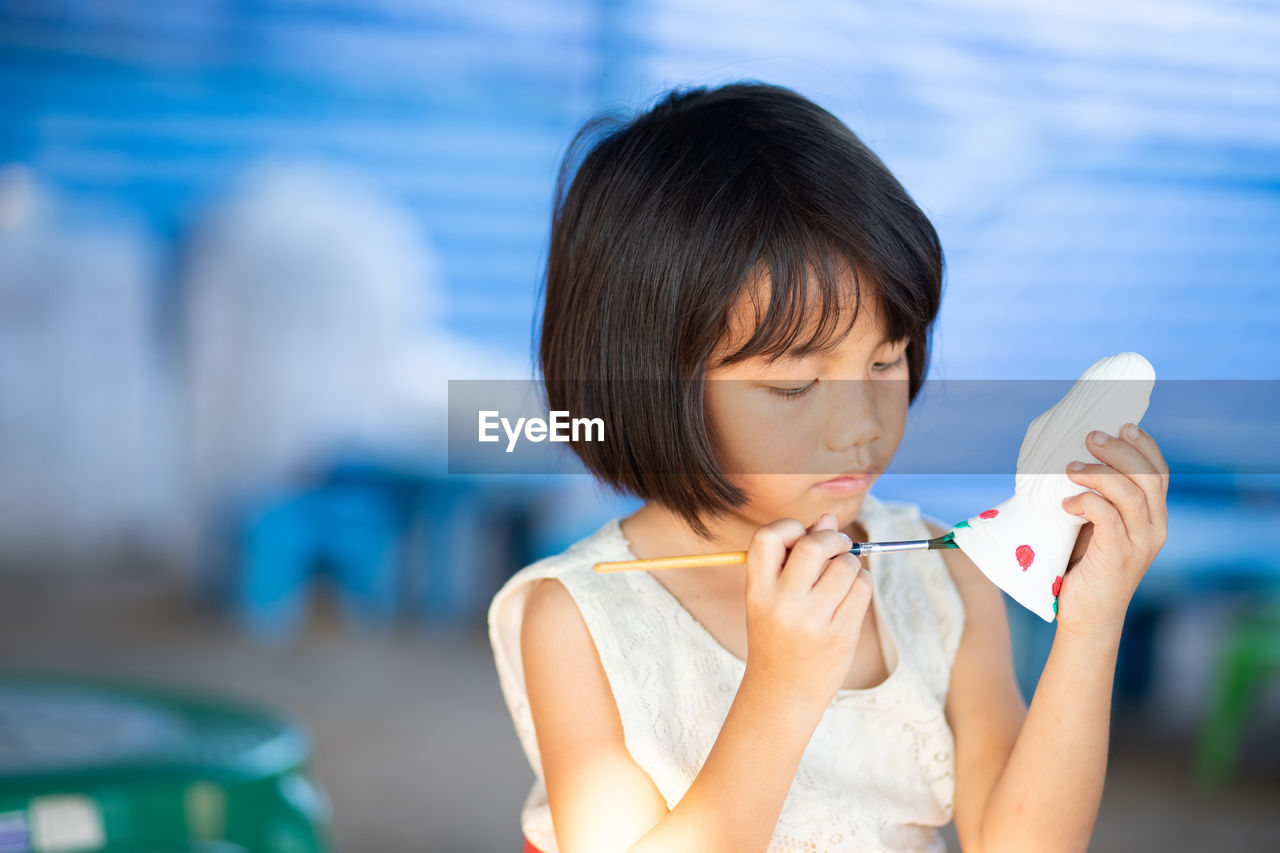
pixel 687 561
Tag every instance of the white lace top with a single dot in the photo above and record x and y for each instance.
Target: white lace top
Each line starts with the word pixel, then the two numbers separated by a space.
pixel 878 773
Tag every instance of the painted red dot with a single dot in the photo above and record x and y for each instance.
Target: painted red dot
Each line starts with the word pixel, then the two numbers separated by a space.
pixel 1057 586
pixel 991 513
pixel 1025 556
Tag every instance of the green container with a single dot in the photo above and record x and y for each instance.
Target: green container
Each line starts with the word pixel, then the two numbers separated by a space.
pixel 90 765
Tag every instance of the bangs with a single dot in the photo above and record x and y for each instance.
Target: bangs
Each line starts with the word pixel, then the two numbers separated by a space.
pixel 810 283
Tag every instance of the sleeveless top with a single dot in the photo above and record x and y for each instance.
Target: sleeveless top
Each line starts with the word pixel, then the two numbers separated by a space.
pixel 878 773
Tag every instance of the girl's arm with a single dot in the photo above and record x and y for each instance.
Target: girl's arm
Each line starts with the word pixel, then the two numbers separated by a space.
pixel 1048 796
pixel 1024 780
pixel 601 800
pixel 734 802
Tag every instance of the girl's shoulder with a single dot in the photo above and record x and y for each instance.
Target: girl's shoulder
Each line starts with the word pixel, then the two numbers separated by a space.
pixel 574 568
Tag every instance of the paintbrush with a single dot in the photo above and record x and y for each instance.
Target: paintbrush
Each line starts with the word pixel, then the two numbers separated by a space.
pixel 729 558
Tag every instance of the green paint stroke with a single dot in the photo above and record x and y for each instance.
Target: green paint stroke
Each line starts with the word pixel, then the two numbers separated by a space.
pixel 964 523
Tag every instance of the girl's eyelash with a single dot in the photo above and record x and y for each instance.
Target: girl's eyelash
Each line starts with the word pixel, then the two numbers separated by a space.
pixel 885 365
pixel 792 393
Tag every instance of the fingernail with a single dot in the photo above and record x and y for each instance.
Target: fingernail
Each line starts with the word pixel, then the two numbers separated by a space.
pixel 1099 437
pixel 847 540
pixel 1076 466
pixel 1131 431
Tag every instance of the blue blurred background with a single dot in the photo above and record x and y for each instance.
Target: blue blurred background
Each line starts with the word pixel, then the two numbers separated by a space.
pixel 244 246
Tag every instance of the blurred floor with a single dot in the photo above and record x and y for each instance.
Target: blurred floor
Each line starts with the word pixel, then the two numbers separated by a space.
pixel 414 745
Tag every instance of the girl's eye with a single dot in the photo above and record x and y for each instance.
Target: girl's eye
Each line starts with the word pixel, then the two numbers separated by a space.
pixel 792 392
pixel 879 366
pixel 884 366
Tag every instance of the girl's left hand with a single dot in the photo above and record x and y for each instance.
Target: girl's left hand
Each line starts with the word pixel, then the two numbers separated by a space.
pixel 1126 529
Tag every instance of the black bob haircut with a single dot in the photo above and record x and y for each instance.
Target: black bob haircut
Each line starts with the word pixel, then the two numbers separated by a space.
pixel 668 218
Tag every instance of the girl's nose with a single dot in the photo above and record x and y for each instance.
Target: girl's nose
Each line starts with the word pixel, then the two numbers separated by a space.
pixel 853 419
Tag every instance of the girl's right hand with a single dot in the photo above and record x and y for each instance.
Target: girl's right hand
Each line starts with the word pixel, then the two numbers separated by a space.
pixel 806 599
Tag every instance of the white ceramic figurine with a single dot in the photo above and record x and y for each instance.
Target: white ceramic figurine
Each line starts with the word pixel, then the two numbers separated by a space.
pixel 1023 544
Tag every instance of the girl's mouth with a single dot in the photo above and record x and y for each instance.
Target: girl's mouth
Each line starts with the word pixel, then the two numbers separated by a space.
pixel 845 484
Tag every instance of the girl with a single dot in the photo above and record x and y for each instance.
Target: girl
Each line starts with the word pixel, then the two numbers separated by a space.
pixel 720 267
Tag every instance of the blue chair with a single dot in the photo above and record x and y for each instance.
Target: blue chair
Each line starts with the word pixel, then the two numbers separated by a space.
pixel 359 534
pixel 276 547
pixel 351 534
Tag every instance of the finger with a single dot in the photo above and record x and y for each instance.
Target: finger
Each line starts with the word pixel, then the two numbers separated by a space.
pixel 1120 490
pixel 1146 445
pixel 768 550
pixel 833 585
pixel 1119 454
pixel 807 559
pixel 852 609
pixel 826 521
pixel 1108 523
pixel 1129 459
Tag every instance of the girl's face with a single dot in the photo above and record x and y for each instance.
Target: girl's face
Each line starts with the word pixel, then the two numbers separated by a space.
pixel 781 430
